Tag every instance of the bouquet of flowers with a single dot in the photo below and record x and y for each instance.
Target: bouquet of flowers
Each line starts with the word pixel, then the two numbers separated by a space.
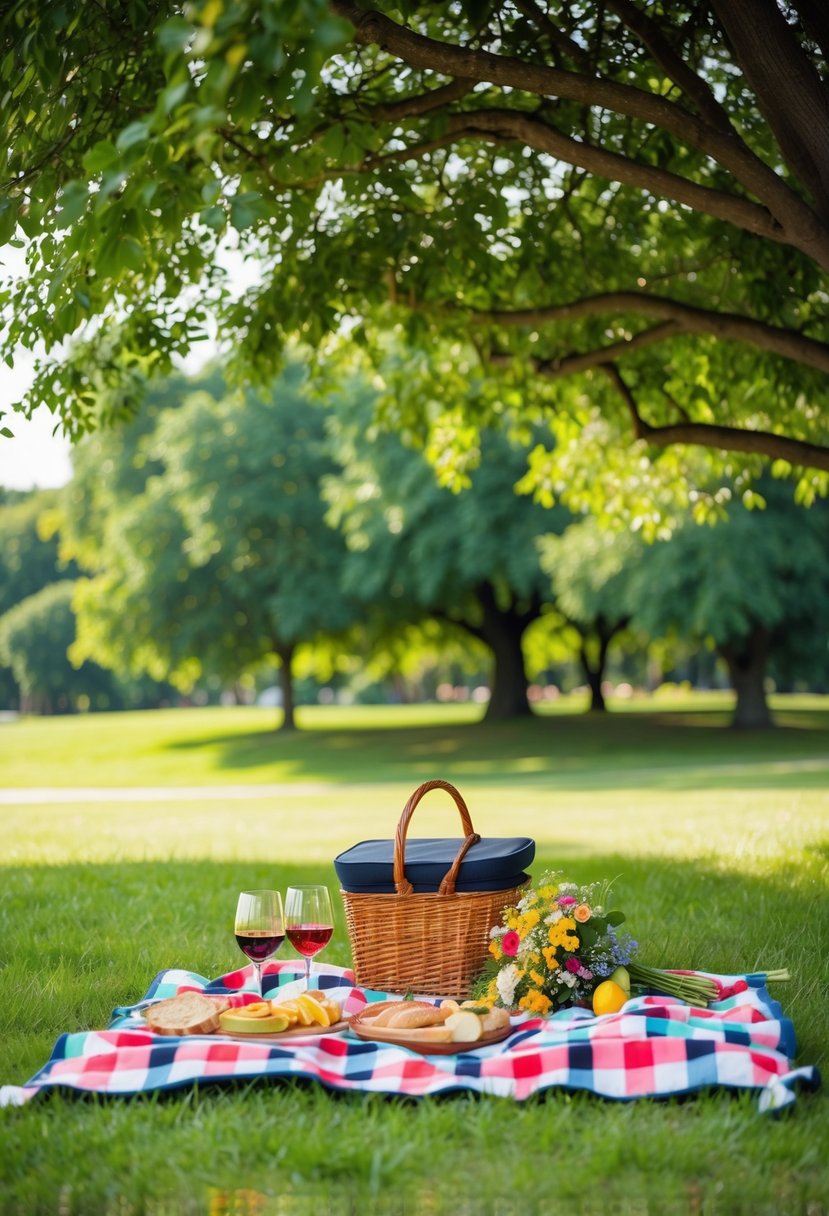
pixel 560 942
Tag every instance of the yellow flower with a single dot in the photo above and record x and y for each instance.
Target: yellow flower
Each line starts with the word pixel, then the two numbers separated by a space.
pixel 528 921
pixel 495 949
pixel 567 922
pixel 535 1002
pixel 550 958
pixel 571 942
pixel 548 892
pixel 537 978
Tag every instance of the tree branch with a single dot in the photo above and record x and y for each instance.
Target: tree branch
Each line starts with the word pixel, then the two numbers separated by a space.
pixel 730 326
pixel 726 438
pixel 374 28
pixel 789 91
pixel 506 126
pixel 418 103
pixel 582 361
pixel 693 86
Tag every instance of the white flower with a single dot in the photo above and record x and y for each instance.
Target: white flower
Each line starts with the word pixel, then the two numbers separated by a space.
pixel 506 982
pixel 553 917
pixel 496 932
pixel 568 979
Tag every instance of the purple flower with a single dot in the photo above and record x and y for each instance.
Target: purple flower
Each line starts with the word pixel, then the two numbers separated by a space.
pixel 573 965
pixel 585 973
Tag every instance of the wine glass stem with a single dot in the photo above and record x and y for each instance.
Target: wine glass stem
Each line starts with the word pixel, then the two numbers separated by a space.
pixel 307 973
pixel 257 967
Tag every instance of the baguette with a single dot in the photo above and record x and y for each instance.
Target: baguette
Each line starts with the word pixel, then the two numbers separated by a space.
pixel 187 1013
pixel 417 1018
pixel 385 1012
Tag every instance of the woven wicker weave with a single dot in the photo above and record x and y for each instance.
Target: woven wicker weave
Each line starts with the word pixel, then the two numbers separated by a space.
pixel 431 942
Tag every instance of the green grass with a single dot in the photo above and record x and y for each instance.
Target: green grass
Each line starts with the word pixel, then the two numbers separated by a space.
pixel 720 842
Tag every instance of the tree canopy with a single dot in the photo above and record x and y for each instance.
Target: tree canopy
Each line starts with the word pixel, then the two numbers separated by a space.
pixel 614 217
pixel 223 558
pixel 756 585
pixel 420 552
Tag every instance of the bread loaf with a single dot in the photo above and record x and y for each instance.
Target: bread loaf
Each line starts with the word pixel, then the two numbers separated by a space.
pixel 187 1013
pixel 416 1017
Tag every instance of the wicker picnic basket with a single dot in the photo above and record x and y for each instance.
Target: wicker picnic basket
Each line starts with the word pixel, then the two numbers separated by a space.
pixel 428 941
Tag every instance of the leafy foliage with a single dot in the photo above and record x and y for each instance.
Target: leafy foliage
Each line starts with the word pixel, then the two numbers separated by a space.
pixel 606 194
pixel 220 557
pixel 35 636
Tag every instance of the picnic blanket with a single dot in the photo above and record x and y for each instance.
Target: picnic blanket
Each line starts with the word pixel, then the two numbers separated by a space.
pixel 655 1046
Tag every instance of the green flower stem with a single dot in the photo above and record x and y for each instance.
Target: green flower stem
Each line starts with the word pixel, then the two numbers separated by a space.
pixel 694 989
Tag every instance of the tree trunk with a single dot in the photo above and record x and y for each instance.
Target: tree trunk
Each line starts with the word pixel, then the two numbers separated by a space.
pixel 509 679
pixel 286 682
pixel 594 682
pixel 502 630
pixel 746 661
pixel 601 638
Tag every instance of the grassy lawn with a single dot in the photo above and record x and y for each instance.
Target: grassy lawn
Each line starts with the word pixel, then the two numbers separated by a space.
pixel 721 846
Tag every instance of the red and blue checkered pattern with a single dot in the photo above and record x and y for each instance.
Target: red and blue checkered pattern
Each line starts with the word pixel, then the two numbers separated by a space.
pixel 654 1047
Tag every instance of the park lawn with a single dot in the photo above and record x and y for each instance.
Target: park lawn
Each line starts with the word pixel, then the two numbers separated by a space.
pixel 720 848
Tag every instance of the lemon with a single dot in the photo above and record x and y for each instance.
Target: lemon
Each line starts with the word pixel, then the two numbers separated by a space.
pixel 608 998
pixel 313 1010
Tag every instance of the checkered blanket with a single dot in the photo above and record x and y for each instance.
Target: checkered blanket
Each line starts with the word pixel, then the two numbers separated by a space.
pixel 655 1046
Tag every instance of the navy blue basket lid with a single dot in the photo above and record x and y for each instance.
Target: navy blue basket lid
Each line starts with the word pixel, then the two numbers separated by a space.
pixel 492 864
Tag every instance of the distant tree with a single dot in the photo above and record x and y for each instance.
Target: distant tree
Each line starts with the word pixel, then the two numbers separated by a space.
pixel 29 560
pixel 222 558
pixel 35 637
pixel 757 584
pixel 591 569
pixel 420 551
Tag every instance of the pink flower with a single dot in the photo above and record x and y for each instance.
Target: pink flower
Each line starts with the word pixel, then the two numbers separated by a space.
pixel 566 901
pixel 510 943
pixel 573 965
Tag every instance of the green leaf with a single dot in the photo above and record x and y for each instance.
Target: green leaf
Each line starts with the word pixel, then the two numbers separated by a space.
pixel 74 200
pixel 615 918
pixel 135 133
pixel 214 217
pixel 174 35
pixel 100 157
pixel 247 209
pixel 8 219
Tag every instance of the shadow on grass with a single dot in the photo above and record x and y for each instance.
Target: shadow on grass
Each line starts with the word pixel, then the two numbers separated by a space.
pixel 579 750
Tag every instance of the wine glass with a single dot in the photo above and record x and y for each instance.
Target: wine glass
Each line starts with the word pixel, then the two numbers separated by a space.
pixel 259 927
pixel 309 922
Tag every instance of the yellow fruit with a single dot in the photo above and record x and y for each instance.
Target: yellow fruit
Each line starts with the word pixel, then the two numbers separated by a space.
pixel 608 998
pixel 313 1010
pixel 285 1011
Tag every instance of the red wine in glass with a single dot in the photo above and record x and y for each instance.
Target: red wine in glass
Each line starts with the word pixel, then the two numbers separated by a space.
pixel 259 945
pixel 310 939
pixel 309 922
pixel 259 928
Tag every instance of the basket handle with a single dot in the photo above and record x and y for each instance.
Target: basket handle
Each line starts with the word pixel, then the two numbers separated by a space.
pixel 447 886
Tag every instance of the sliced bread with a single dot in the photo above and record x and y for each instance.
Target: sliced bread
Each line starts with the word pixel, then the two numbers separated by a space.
pixel 188 1013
